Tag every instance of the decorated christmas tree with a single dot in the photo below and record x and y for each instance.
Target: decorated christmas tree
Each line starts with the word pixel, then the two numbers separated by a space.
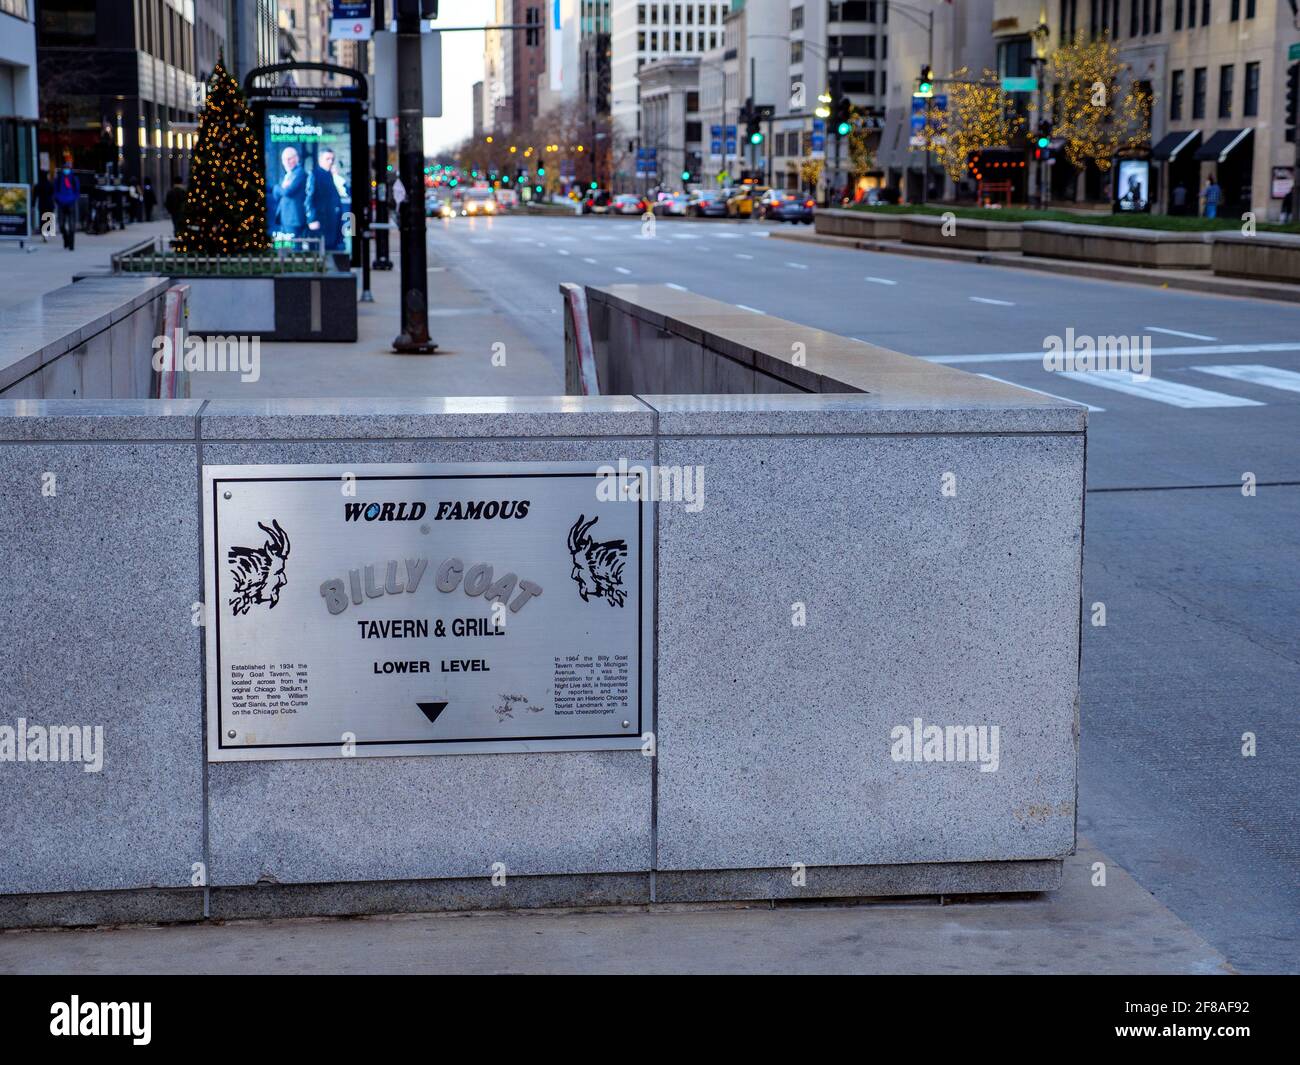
pixel 225 212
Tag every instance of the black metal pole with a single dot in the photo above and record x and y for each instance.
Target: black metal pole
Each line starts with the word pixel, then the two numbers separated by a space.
pixel 382 261
pixel 414 337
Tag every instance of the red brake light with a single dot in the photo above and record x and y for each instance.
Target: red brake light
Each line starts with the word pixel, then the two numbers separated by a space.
pixel 810 203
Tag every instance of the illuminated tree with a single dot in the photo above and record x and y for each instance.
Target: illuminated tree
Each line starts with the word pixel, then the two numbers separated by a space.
pixel 1096 114
pixel 225 210
pixel 810 171
pixel 977 117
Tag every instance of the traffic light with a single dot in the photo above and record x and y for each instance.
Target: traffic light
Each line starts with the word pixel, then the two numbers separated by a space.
pixel 541 167
pixel 1044 139
pixel 844 116
pixel 754 127
pixel 1292 99
pixel 927 81
pixel 686 176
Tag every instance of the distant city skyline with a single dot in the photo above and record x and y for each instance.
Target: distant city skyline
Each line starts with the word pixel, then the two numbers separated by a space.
pixel 462 66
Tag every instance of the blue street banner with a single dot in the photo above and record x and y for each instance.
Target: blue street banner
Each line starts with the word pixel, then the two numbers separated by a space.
pixel 731 140
pixel 715 141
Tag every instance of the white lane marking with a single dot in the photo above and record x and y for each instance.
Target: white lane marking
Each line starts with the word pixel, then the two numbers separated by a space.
pixel 880 281
pixel 742 255
pixel 622 269
pixel 603 236
pixel 797 266
pixel 586 260
pixel 1171 392
pixel 686 236
pixel 752 310
pixel 727 236
pixel 1254 374
pixel 480 240
pixel 1036 356
pixel 995 303
pixel 679 288
pixel 561 251
pixel 1177 333
pixel 760 234
pixel 1053 395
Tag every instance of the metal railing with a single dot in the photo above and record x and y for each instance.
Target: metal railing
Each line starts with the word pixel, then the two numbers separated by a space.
pixel 154 257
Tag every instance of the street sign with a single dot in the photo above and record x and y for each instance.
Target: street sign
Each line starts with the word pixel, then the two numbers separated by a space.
pixel 351 21
pixel 445 608
pixel 1293 52
pixel 731 141
pixel 1020 84
pixel 715 142
pixel 647 162
pixel 384 104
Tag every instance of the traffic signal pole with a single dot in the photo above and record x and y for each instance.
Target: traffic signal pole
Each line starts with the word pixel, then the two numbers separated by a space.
pixel 414 337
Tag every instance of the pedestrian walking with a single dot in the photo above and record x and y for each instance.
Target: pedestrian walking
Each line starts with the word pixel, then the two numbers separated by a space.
pixel 1212 195
pixel 150 200
pixel 44 202
pixel 174 202
pixel 1180 199
pixel 67 194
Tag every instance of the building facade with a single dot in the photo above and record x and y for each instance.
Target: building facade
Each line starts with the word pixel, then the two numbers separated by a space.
pixel 19 98
pixel 118 85
pixel 670 119
pixel 1217 69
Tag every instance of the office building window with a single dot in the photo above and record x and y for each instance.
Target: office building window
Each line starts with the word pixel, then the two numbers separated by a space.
pixel 1205 12
pixel 1250 101
pixel 1250 8
pixel 1178 14
pixel 1133 17
pixel 1176 96
pixel 796 17
pixel 1234 11
pixel 1146 16
pixel 1160 16
pixel 1225 91
pixel 640 14
pixel 1191 14
pixel 796 51
pixel 1198 92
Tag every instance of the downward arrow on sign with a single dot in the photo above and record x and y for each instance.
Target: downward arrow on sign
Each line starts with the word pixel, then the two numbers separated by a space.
pixel 432 710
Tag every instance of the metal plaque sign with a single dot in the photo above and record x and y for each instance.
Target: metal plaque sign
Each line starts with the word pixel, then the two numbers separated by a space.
pixel 403 609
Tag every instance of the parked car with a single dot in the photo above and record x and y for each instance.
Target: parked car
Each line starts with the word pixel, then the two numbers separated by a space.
pixel 626 203
pixel 672 204
pixel 874 197
pixel 740 204
pixel 708 203
pixel 792 207
pixel 597 201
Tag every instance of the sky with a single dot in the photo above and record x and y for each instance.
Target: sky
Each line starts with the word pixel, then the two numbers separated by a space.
pixel 462 66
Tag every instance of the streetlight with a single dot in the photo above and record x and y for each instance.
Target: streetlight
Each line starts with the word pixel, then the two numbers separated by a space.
pixel 914 14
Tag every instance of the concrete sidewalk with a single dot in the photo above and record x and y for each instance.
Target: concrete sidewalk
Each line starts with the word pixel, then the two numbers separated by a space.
pixel 26 276
pixel 480 353
pixel 1119 928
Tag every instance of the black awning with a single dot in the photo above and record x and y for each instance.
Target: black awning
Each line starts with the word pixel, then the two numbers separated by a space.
pixel 1172 144
pixel 1222 144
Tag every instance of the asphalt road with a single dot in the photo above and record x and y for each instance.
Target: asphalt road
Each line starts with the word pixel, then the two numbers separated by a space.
pixel 1201 583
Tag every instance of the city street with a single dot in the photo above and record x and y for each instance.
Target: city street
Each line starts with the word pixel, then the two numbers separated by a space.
pixel 1198 580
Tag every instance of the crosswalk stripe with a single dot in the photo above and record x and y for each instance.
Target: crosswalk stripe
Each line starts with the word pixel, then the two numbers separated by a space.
pixel 1200 349
pixel 1053 395
pixel 1254 374
pixel 1171 392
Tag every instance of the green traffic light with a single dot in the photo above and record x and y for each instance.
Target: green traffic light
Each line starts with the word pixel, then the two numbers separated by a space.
pixel 843 129
pixel 541 171
pixel 537 188
pixel 686 175
pixel 593 185
pixel 756 138
pixel 1043 142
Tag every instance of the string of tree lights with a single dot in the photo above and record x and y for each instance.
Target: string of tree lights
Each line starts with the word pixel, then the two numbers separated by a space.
pixel 225 210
